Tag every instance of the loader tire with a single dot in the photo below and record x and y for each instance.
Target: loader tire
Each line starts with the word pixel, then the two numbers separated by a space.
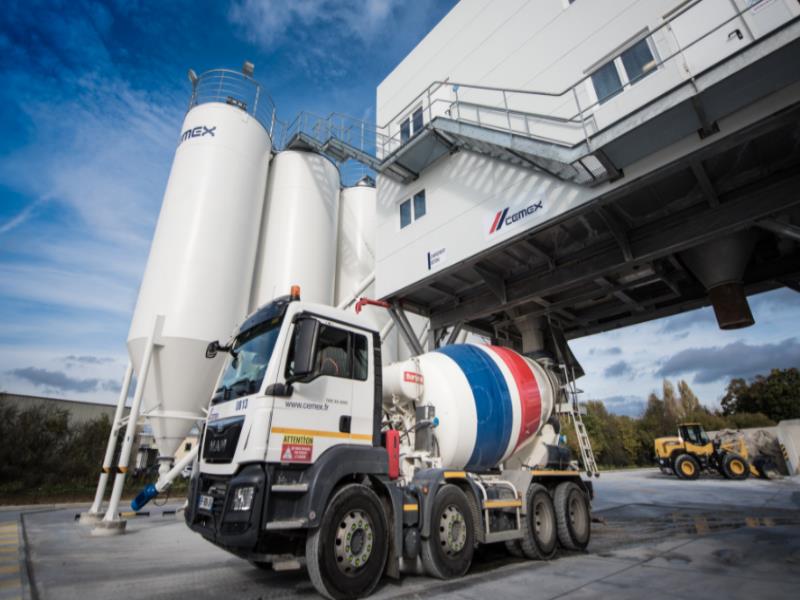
pixel 686 467
pixel 735 467
pixel 346 554
pixel 573 516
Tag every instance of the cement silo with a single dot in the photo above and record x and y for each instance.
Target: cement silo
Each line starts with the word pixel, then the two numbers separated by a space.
pixel 299 229
pixel 355 259
pixel 197 281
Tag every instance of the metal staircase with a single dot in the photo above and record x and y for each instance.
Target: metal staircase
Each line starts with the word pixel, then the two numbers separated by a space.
pixel 572 408
pixel 549 143
pixel 342 138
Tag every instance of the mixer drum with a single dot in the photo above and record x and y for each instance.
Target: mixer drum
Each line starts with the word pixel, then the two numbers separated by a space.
pixel 490 401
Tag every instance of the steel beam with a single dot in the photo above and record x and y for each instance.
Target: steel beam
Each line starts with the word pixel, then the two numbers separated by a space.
pixel 618 230
pixel 705 183
pixel 785 229
pixel 762 281
pixel 533 247
pixel 493 281
pixel 405 329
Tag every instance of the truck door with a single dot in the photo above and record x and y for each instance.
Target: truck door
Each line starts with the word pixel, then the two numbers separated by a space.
pixel 319 412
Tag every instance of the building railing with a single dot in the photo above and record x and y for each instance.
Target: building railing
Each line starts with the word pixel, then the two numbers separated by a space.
pixel 569 116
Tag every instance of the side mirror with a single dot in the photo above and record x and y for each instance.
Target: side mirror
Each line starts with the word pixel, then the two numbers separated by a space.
pixel 212 349
pixel 305 339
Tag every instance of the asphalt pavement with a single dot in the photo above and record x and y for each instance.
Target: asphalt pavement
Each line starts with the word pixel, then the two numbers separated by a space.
pixel 656 536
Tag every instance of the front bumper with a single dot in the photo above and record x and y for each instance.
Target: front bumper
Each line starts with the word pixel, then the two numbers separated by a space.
pixel 235 530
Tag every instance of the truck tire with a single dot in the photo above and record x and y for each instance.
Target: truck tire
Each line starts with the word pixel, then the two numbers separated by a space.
pixel 686 467
pixel 346 554
pixel 572 515
pixel 735 466
pixel 447 553
pixel 539 527
pixel 514 549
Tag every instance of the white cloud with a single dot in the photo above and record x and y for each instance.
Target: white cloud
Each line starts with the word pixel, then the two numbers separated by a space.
pixel 269 22
pixel 19 218
pixel 647 347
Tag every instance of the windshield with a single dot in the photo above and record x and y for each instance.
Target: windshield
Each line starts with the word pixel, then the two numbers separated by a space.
pixel 247 363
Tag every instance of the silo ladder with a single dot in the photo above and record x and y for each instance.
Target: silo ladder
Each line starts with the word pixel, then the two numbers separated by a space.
pixel 571 392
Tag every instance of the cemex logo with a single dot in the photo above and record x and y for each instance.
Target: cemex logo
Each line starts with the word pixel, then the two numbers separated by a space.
pixel 198 132
pixel 503 218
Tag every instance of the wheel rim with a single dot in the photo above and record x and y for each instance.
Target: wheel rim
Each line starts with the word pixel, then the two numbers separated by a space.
pixel 452 530
pixel 687 468
pixel 577 513
pixel 542 524
pixel 737 467
pixel 353 544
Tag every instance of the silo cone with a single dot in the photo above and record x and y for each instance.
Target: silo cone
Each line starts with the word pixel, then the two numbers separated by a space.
pixel 720 265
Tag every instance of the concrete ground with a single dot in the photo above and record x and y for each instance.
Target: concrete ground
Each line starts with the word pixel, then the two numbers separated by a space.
pixel 657 537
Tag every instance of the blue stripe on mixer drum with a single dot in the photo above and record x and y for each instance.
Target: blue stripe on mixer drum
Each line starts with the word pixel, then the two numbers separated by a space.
pixel 492 403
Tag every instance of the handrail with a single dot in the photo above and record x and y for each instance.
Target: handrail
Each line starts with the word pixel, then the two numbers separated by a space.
pixel 439 83
pixel 236 89
pixel 497 113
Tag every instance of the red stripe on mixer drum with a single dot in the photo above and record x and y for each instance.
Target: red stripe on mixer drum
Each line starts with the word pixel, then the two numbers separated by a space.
pixel 530 398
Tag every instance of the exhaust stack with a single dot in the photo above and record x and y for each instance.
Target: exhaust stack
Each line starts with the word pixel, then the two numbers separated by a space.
pixel 720 265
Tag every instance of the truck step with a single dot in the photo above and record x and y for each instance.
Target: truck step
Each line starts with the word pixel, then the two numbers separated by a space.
pixel 291 488
pixel 290 524
pixel 503 536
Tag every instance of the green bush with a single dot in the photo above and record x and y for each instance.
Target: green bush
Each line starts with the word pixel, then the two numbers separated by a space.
pixel 39 447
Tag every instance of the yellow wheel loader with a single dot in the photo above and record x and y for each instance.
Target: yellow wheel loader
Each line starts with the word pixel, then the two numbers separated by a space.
pixel 692 452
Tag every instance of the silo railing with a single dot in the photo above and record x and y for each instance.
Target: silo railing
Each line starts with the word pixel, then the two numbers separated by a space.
pixel 238 90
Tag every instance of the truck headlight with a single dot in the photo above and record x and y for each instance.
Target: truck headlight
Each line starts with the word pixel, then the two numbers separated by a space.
pixel 243 498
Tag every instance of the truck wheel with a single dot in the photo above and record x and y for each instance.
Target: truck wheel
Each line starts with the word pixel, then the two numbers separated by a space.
pixel 514 549
pixel 687 467
pixel 539 527
pixel 735 467
pixel 346 554
pixel 573 516
pixel 447 553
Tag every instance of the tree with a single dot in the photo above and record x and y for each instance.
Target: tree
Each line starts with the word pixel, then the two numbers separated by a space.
pixel 689 403
pixel 777 396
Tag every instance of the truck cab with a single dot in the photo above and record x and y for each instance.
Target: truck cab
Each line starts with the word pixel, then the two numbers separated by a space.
pixel 296 409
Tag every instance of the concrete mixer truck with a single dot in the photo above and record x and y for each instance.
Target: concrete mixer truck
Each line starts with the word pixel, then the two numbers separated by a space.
pixel 313 450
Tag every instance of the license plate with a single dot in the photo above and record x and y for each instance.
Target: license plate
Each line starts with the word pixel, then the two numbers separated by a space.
pixel 206 502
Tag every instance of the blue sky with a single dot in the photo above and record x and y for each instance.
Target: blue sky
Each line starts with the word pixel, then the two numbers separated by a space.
pixel 93 97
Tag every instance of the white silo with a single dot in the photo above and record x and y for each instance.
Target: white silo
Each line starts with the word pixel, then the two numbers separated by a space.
pixel 355 257
pixel 196 284
pixel 298 231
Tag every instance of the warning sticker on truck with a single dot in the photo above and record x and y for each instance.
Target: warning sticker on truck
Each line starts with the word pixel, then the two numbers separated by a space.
pixel 412 377
pixel 297 448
